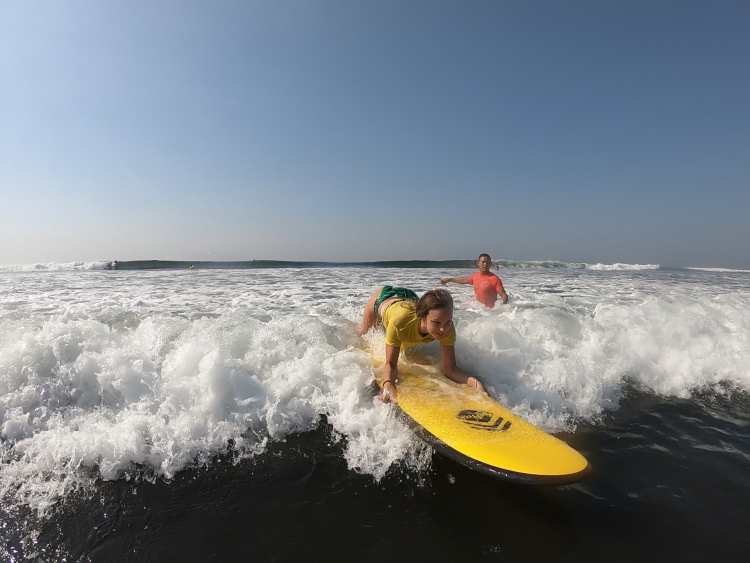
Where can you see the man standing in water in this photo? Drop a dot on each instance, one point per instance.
(487, 286)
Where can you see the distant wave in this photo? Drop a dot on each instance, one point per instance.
(262, 264)
(719, 270)
(575, 265)
(623, 266)
(55, 266)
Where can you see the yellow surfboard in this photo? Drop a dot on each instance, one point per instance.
(470, 427)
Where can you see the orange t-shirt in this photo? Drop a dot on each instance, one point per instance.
(486, 288)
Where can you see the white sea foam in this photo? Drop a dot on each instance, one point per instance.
(118, 374)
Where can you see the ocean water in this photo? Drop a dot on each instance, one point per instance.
(150, 412)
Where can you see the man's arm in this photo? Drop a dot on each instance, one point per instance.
(445, 281)
(501, 291)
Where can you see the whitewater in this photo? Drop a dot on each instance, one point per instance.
(141, 374)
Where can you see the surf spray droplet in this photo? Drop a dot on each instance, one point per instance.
(451, 479)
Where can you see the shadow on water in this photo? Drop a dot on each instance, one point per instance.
(669, 483)
(299, 500)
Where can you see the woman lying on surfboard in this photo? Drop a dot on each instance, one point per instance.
(411, 320)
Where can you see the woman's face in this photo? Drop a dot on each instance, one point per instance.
(437, 322)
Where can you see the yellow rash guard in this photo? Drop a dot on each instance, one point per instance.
(402, 327)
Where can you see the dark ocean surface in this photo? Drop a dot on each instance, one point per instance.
(670, 483)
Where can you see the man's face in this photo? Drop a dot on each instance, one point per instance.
(484, 264)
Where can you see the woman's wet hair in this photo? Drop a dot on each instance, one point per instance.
(433, 299)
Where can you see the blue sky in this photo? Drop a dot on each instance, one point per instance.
(583, 131)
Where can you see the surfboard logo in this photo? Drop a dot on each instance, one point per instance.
(482, 420)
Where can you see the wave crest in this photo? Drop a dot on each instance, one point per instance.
(54, 266)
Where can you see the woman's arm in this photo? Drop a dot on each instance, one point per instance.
(453, 372)
(390, 373)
